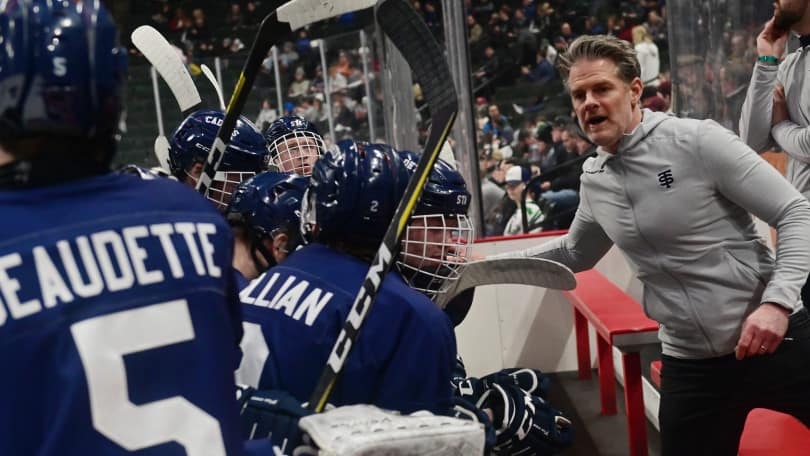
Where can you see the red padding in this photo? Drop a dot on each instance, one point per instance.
(769, 433)
(609, 309)
(655, 373)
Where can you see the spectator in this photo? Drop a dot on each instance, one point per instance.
(251, 17)
(647, 53)
(542, 72)
(316, 85)
(491, 193)
(287, 57)
(235, 20)
(490, 67)
(557, 153)
(337, 82)
(544, 21)
(544, 143)
(199, 34)
(475, 30)
(180, 21)
(160, 15)
(496, 122)
(266, 115)
(656, 27)
(303, 45)
(567, 34)
(562, 188)
(343, 65)
(300, 85)
(516, 178)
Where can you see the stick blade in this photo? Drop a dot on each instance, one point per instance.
(302, 12)
(162, 153)
(424, 55)
(213, 80)
(536, 272)
(168, 64)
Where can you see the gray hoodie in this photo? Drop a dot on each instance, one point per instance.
(675, 199)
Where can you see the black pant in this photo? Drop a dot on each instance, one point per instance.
(704, 403)
(806, 293)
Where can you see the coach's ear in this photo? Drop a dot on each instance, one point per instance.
(636, 87)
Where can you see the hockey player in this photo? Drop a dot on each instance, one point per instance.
(245, 156)
(264, 214)
(293, 312)
(294, 144)
(118, 313)
(437, 243)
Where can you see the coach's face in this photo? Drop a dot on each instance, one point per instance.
(607, 107)
(787, 13)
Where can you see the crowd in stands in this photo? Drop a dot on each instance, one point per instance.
(513, 48)
(212, 29)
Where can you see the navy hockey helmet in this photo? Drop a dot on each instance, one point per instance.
(294, 144)
(245, 156)
(144, 173)
(61, 71)
(437, 242)
(266, 204)
(353, 194)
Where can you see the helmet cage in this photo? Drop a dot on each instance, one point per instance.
(223, 185)
(435, 249)
(296, 152)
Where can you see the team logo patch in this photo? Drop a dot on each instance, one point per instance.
(665, 179)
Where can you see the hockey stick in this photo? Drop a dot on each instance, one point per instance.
(536, 272)
(213, 80)
(162, 148)
(275, 26)
(168, 64)
(171, 68)
(410, 35)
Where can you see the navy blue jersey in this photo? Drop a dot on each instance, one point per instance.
(293, 313)
(119, 321)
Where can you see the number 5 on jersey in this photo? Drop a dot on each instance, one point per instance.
(103, 342)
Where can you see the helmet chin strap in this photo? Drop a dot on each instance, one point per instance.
(256, 244)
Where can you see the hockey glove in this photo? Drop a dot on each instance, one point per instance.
(525, 424)
(271, 414)
(532, 381)
(466, 410)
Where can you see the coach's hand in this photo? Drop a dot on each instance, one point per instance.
(762, 331)
(771, 41)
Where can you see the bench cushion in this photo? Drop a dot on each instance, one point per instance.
(770, 433)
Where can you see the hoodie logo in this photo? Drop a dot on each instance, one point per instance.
(665, 178)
